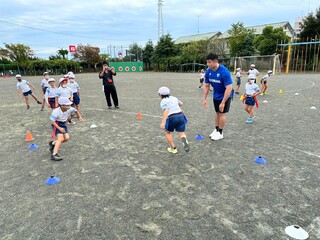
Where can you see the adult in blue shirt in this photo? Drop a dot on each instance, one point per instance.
(220, 79)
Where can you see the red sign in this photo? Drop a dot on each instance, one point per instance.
(120, 54)
(72, 48)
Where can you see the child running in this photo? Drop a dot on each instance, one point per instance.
(201, 77)
(51, 94)
(173, 119)
(58, 119)
(251, 91)
(24, 87)
(65, 91)
(44, 85)
(264, 82)
(75, 88)
(238, 78)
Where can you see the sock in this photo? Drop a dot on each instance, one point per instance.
(217, 128)
(53, 142)
(220, 130)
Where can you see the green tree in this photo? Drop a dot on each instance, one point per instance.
(148, 52)
(104, 57)
(311, 25)
(191, 52)
(135, 52)
(88, 55)
(163, 51)
(19, 53)
(241, 40)
(266, 43)
(63, 53)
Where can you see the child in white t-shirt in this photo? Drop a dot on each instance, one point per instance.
(251, 91)
(24, 87)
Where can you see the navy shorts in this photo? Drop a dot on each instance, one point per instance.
(76, 99)
(238, 81)
(176, 122)
(27, 93)
(63, 125)
(201, 80)
(250, 101)
(52, 102)
(216, 104)
(44, 90)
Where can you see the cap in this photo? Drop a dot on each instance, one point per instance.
(270, 71)
(66, 76)
(71, 75)
(64, 101)
(238, 69)
(51, 80)
(252, 76)
(252, 65)
(164, 91)
(45, 73)
(18, 76)
(62, 79)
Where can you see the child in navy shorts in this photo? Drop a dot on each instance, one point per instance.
(24, 87)
(58, 119)
(251, 91)
(238, 78)
(173, 119)
(75, 88)
(51, 94)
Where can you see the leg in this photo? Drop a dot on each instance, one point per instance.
(222, 120)
(114, 96)
(43, 102)
(169, 139)
(34, 96)
(265, 88)
(107, 94)
(251, 111)
(27, 100)
(246, 107)
(57, 143)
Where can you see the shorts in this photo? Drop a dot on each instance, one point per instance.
(52, 102)
(216, 104)
(176, 122)
(76, 99)
(238, 81)
(263, 82)
(44, 90)
(62, 125)
(201, 80)
(27, 93)
(250, 101)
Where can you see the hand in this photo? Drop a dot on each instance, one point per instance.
(205, 104)
(221, 107)
(57, 105)
(62, 130)
(49, 106)
(162, 125)
(81, 119)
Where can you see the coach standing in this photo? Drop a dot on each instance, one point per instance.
(220, 79)
(107, 74)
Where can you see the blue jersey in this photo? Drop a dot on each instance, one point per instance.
(218, 79)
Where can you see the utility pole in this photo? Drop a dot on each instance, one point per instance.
(198, 23)
(160, 19)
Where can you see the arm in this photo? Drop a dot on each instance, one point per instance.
(164, 118)
(226, 96)
(180, 104)
(206, 88)
(31, 85)
(46, 97)
(79, 116)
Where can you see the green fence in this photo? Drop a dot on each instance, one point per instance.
(127, 66)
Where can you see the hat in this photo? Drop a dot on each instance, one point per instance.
(64, 101)
(238, 69)
(270, 71)
(18, 76)
(66, 75)
(51, 80)
(71, 75)
(252, 65)
(62, 79)
(164, 91)
(45, 73)
(252, 76)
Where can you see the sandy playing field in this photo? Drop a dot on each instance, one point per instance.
(119, 182)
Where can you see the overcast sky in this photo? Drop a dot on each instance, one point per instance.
(47, 26)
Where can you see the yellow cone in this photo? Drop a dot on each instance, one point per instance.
(280, 91)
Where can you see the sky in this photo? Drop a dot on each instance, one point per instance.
(112, 25)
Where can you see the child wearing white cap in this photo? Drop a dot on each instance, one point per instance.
(173, 119)
(252, 90)
(51, 94)
(254, 71)
(24, 87)
(238, 78)
(264, 82)
(44, 85)
(75, 88)
(65, 91)
(58, 119)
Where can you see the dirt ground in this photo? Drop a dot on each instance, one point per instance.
(118, 181)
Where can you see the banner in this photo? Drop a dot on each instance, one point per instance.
(127, 66)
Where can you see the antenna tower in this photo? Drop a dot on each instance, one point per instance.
(160, 19)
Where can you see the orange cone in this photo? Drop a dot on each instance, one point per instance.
(29, 137)
(139, 116)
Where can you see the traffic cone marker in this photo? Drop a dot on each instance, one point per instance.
(29, 137)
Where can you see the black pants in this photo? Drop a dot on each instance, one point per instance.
(111, 90)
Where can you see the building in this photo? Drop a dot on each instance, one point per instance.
(198, 37)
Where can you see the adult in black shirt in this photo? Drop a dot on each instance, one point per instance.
(107, 79)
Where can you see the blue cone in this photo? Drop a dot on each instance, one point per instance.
(52, 180)
(260, 160)
(198, 137)
(33, 146)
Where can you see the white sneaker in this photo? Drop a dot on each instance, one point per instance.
(211, 134)
(217, 136)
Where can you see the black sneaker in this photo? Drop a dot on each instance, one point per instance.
(109, 107)
(28, 106)
(51, 146)
(42, 109)
(117, 107)
(56, 157)
(39, 102)
(185, 144)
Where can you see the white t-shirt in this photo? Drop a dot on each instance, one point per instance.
(251, 88)
(44, 83)
(172, 104)
(64, 92)
(73, 86)
(23, 86)
(202, 75)
(58, 115)
(265, 77)
(253, 71)
(51, 93)
(238, 74)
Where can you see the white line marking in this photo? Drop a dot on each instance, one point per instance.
(308, 153)
(79, 223)
(312, 85)
(119, 111)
